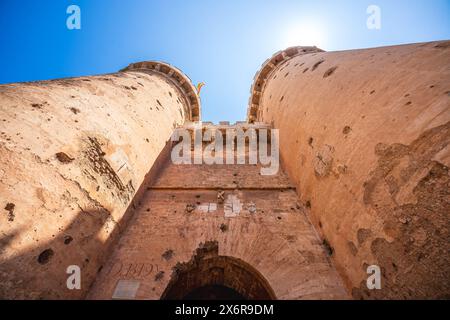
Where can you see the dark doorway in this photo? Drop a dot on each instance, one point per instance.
(214, 292)
(208, 276)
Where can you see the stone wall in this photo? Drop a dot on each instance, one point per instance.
(364, 142)
(259, 228)
(73, 153)
(364, 136)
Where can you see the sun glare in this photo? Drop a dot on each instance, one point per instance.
(306, 34)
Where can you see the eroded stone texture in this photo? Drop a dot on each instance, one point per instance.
(73, 153)
(259, 230)
(364, 135)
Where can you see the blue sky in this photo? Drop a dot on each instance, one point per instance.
(220, 42)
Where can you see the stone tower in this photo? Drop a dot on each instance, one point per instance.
(364, 137)
(86, 179)
(74, 153)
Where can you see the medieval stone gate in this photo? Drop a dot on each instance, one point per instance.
(86, 180)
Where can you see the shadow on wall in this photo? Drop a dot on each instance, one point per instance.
(40, 272)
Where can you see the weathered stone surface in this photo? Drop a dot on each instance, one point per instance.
(364, 136)
(258, 228)
(73, 153)
(364, 139)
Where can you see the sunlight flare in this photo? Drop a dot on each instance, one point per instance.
(304, 34)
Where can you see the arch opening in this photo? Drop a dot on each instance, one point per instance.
(214, 292)
(208, 276)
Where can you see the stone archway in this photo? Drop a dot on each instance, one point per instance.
(210, 276)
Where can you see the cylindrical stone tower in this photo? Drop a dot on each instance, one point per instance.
(364, 135)
(73, 153)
